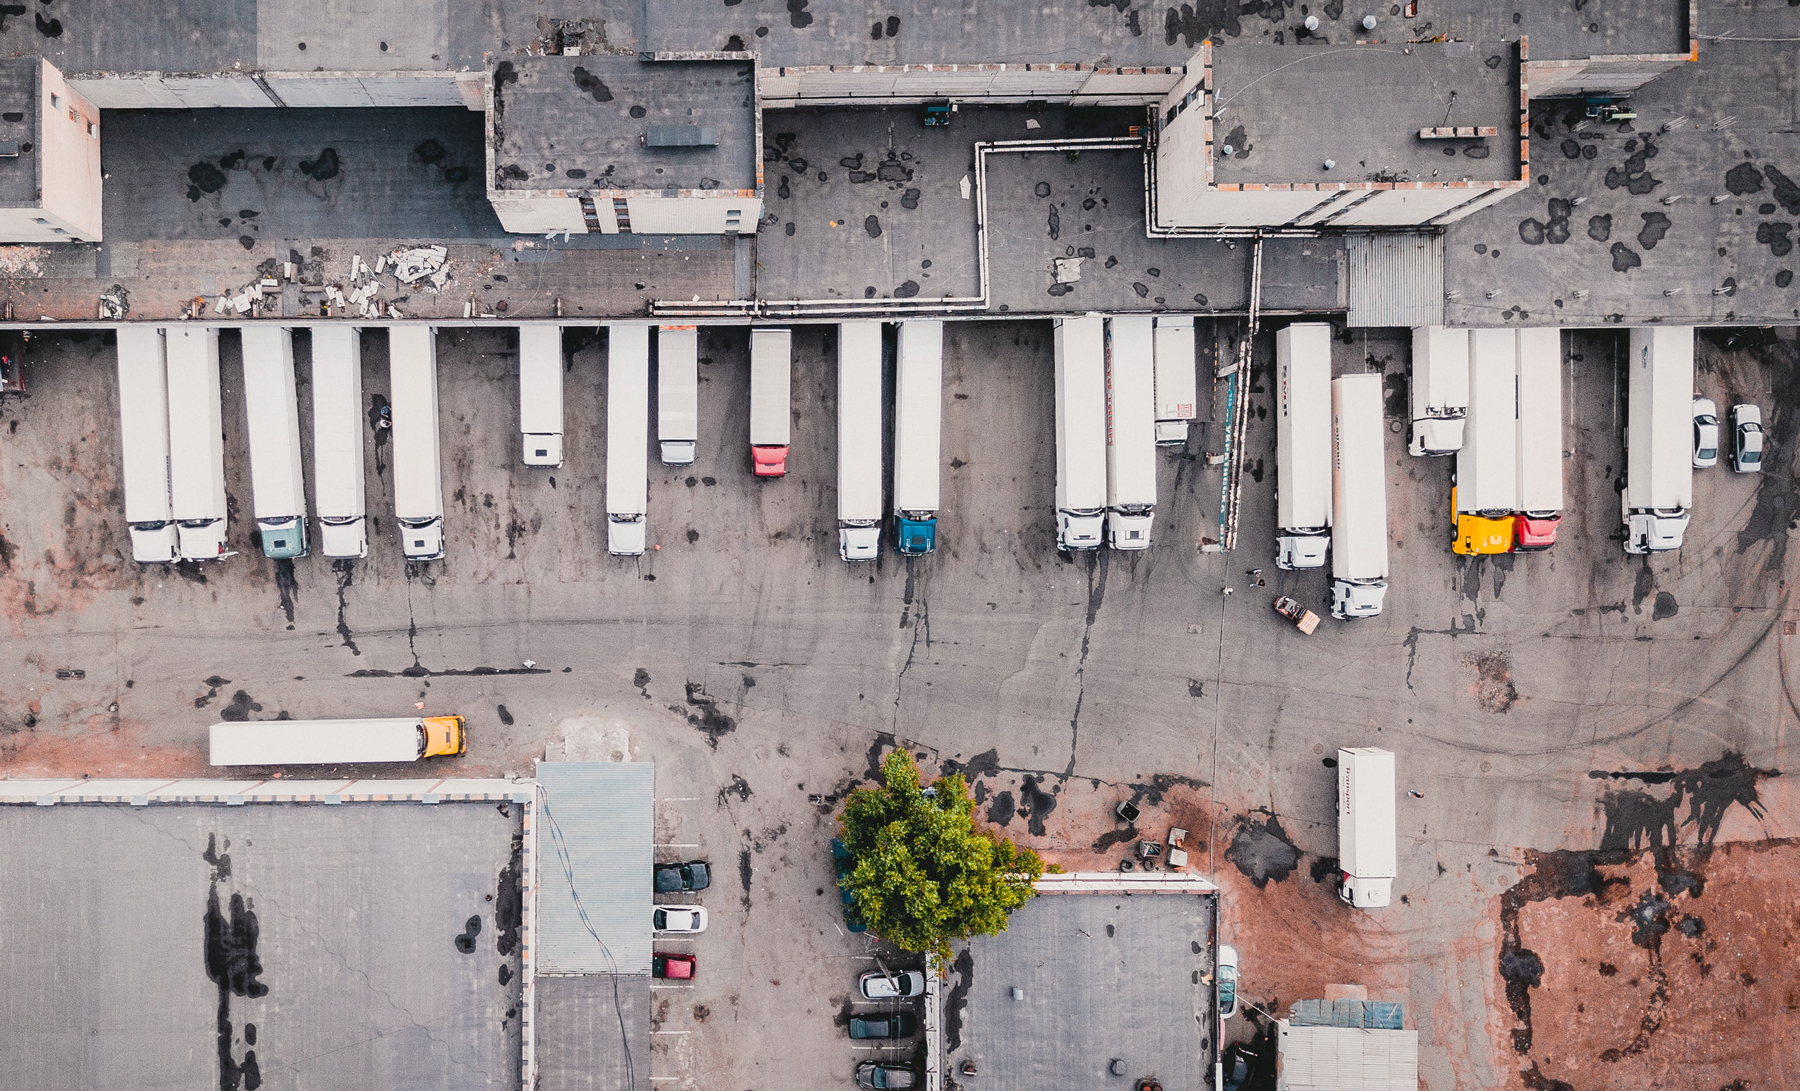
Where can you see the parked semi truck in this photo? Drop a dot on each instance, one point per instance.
(1367, 856)
(1303, 478)
(770, 379)
(1130, 431)
(918, 428)
(1176, 393)
(196, 442)
(627, 438)
(541, 394)
(272, 412)
(144, 442)
(1440, 389)
(859, 440)
(677, 393)
(1540, 439)
(1659, 471)
(1485, 498)
(338, 426)
(1080, 431)
(418, 471)
(335, 742)
(1359, 550)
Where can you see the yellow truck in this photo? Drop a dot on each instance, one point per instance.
(336, 742)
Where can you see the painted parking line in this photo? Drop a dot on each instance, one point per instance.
(671, 986)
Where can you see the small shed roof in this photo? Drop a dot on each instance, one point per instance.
(1345, 1059)
(594, 864)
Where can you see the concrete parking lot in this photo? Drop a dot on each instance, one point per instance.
(765, 677)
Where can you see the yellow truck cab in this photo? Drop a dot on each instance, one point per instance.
(1474, 535)
(444, 736)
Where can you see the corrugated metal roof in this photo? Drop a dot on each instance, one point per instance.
(1341, 1059)
(1367, 1014)
(594, 846)
(1396, 279)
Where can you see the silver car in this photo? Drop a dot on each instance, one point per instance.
(1747, 436)
(1706, 433)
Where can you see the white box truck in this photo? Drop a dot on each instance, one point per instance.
(1359, 547)
(1486, 494)
(1367, 854)
(1659, 469)
(627, 437)
(1080, 431)
(541, 394)
(677, 393)
(196, 441)
(272, 413)
(1176, 385)
(338, 424)
(859, 440)
(1440, 389)
(1540, 439)
(418, 465)
(918, 428)
(144, 444)
(1130, 431)
(1303, 478)
(771, 366)
(334, 742)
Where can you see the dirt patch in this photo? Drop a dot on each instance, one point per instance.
(1262, 850)
(1493, 689)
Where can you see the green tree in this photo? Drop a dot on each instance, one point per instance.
(923, 875)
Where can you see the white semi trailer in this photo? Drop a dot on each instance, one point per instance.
(1130, 431)
(541, 394)
(771, 376)
(627, 438)
(1540, 439)
(1487, 466)
(196, 441)
(1303, 479)
(1440, 389)
(1659, 470)
(335, 742)
(1367, 842)
(338, 427)
(144, 443)
(272, 410)
(677, 393)
(859, 440)
(1359, 548)
(1080, 431)
(918, 430)
(1176, 384)
(418, 468)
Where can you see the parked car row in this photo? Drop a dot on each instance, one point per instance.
(691, 876)
(1746, 436)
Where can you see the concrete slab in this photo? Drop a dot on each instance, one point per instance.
(593, 1032)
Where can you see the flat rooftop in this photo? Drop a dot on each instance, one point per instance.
(1102, 976)
(19, 124)
(369, 945)
(1284, 111)
(589, 123)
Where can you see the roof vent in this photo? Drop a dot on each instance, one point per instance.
(9, 149)
(681, 136)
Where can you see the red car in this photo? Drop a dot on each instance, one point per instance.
(672, 966)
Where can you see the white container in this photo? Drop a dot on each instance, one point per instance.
(196, 441)
(677, 393)
(418, 469)
(771, 367)
(541, 394)
(272, 413)
(1130, 431)
(1303, 445)
(144, 444)
(1367, 856)
(627, 437)
(918, 433)
(338, 427)
(1540, 437)
(1080, 431)
(1440, 389)
(334, 742)
(1359, 546)
(1659, 471)
(1176, 389)
(859, 440)
(1487, 466)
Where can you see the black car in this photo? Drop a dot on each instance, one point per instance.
(902, 1024)
(674, 878)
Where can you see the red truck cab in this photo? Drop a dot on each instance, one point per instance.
(1534, 533)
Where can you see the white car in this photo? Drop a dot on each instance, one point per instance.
(1706, 433)
(690, 919)
(1228, 980)
(1747, 434)
(876, 985)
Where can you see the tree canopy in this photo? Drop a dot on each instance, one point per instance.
(924, 875)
